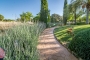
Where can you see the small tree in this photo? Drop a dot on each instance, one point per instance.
(37, 17)
(1, 17)
(56, 18)
(26, 16)
(44, 11)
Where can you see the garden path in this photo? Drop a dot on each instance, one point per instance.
(50, 49)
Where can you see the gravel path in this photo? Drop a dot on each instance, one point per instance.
(50, 49)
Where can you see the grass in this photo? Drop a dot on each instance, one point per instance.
(20, 42)
(7, 25)
(65, 38)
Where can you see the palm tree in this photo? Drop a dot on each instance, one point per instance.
(85, 5)
(74, 7)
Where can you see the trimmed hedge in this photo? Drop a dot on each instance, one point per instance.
(80, 44)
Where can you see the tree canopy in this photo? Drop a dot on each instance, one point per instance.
(26, 16)
(85, 5)
(37, 17)
(56, 18)
(44, 11)
(1, 17)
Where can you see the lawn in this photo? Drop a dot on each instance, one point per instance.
(65, 38)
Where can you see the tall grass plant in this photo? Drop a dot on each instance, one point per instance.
(20, 42)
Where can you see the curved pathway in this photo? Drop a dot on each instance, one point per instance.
(50, 49)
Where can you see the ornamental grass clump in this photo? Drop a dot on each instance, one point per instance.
(70, 31)
(20, 42)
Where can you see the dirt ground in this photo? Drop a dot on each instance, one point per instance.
(50, 49)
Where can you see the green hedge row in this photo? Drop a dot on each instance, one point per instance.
(80, 44)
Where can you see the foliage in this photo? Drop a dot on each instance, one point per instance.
(80, 44)
(1, 17)
(85, 4)
(70, 17)
(64, 12)
(79, 14)
(7, 20)
(18, 19)
(44, 11)
(49, 18)
(74, 7)
(37, 17)
(26, 16)
(20, 42)
(56, 18)
(50, 24)
(81, 23)
(62, 35)
(70, 31)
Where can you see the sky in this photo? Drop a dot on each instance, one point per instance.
(11, 9)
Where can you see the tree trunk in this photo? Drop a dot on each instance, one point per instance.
(75, 18)
(65, 12)
(87, 17)
(65, 20)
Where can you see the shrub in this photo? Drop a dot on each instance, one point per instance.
(80, 44)
(70, 31)
(54, 24)
(81, 23)
(20, 42)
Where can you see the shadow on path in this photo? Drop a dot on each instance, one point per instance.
(51, 49)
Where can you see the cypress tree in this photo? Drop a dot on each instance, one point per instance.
(49, 18)
(44, 11)
(64, 12)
